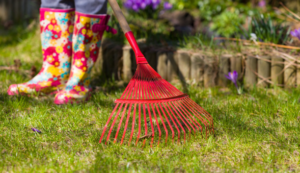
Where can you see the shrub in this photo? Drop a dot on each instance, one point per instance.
(228, 23)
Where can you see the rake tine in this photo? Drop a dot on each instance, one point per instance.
(206, 113)
(209, 125)
(167, 121)
(157, 86)
(128, 88)
(133, 86)
(203, 117)
(180, 118)
(195, 112)
(149, 112)
(160, 91)
(141, 96)
(166, 130)
(133, 121)
(170, 88)
(159, 131)
(144, 96)
(170, 115)
(136, 85)
(157, 90)
(191, 116)
(127, 120)
(153, 85)
(180, 113)
(201, 110)
(153, 89)
(148, 88)
(164, 91)
(137, 140)
(112, 126)
(120, 123)
(199, 117)
(151, 94)
(105, 127)
(145, 122)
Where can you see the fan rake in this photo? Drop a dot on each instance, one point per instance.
(150, 105)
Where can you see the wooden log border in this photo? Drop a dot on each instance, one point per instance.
(262, 68)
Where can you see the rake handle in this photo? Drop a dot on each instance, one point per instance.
(119, 15)
(140, 59)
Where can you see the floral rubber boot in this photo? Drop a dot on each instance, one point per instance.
(87, 37)
(56, 35)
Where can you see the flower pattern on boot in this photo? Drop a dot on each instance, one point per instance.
(56, 36)
(87, 37)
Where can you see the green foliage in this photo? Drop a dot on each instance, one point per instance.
(15, 34)
(269, 31)
(197, 41)
(153, 31)
(211, 8)
(184, 4)
(228, 23)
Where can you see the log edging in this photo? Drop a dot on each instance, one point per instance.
(263, 68)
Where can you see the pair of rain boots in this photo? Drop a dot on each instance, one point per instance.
(70, 45)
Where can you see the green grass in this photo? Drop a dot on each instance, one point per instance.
(254, 132)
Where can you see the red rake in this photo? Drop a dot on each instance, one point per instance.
(153, 103)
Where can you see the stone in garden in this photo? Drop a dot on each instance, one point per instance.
(277, 69)
(184, 64)
(223, 70)
(197, 67)
(251, 69)
(127, 63)
(236, 64)
(162, 64)
(172, 66)
(209, 71)
(263, 70)
(290, 72)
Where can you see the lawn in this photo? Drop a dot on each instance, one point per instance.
(257, 131)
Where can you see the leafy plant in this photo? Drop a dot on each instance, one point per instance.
(268, 31)
(228, 23)
(211, 8)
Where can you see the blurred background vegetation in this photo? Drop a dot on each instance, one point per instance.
(188, 23)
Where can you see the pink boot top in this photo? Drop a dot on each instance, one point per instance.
(86, 43)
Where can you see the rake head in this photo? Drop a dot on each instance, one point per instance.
(151, 107)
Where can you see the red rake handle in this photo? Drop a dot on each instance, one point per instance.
(140, 58)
